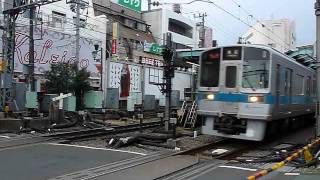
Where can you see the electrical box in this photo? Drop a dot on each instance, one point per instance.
(134, 98)
(19, 96)
(162, 100)
(175, 98)
(45, 102)
(149, 103)
(93, 99)
(6, 80)
(69, 103)
(112, 99)
(31, 100)
(130, 103)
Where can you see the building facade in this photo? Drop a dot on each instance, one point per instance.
(184, 31)
(279, 34)
(54, 39)
(136, 51)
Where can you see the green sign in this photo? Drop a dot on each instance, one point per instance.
(131, 4)
(152, 48)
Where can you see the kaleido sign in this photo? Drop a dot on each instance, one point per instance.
(131, 4)
(152, 48)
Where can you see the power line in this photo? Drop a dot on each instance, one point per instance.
(259, 22)
(239, 19)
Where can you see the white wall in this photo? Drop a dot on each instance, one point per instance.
(281, 34)
(159, 21)
(150, 89)
(180, 81)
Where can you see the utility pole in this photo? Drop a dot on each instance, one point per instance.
(317, 12)
(31, 49)
(149, 5)
(202, 27)
(78, 31)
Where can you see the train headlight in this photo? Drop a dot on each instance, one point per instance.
(255, 99)
(210, 96)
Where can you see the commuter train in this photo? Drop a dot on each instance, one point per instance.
(247, 91)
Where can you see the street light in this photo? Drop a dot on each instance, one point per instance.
(96, 59)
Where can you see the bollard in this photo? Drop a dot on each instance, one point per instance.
(195, 134)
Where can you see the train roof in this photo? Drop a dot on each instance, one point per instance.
(274, 51)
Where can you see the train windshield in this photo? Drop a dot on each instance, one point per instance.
(256, 66)
(210, 68)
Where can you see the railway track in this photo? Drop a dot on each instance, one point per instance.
(75, 135)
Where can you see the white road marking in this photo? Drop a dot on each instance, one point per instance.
(95, 148)
(241, 168)
(292, 174)
(7, 137)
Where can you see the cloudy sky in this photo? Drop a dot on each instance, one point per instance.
(227, 29)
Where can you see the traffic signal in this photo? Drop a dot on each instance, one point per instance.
(156, 3)
(167, 54)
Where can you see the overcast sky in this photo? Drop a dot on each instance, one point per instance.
(227, 29)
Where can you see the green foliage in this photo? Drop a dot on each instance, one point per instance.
(66, 78)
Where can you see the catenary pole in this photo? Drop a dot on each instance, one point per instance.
(317, 13)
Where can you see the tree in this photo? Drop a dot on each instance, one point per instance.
(66, 78)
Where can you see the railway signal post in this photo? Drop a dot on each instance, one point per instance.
(317, 12)
(168, 75)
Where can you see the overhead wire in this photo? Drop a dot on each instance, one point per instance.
(239, 19)
(259, 22)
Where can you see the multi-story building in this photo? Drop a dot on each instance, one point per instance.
(279, 34)
(136, 51)
(184, 31)
(54, 35)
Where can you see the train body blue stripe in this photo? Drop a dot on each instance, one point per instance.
(268, 98)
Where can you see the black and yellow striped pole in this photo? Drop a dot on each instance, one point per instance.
(304, 150)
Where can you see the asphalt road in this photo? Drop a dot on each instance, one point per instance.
(43, 161)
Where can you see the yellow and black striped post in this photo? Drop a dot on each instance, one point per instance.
(288, 159)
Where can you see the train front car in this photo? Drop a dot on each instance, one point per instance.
(232, 89)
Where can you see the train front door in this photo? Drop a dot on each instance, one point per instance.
(230, 75)
(278, 90)
(229, 85)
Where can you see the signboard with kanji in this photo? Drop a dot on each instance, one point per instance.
(131, 4)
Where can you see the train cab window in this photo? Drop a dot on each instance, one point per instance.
(231, 76)
(256, 67)
(210, 68)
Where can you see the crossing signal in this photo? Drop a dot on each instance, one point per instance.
(156, 3)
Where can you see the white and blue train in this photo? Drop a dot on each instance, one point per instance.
(244, 91)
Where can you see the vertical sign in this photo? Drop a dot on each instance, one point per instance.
(131, 4)
(114, 46)
(115, 28)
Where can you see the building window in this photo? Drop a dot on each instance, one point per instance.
(139, 46)
(154, 76)
(130, 23)
(142, 27)
(180, 28)
(82, 22)
(58, 20)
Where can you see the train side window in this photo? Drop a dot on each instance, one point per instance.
(288, 82)
(314, 87)
(299, 85)
(308, 89)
